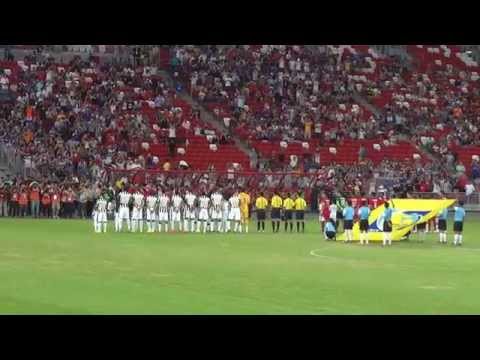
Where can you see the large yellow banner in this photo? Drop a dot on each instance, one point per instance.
(406, 214)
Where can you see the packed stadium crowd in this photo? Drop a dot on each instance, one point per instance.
(78, 125)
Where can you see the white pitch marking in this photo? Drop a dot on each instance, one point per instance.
(431, 287)
(160, 275)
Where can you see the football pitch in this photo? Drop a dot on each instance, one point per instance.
(63, 267)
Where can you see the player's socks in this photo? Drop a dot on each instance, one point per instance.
(105, 226)
(298, 227)
(246, 228)
(278, 225)
(384, 242)
(460, 239)
(273, 226)
(258, 226)
(285, 226)
(291, 226)
(141, 225)
(303, 226)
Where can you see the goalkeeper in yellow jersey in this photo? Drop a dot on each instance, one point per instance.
(244, 207)
(261, 204)
(300, 206)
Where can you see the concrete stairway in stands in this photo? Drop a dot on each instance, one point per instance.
(208, 117)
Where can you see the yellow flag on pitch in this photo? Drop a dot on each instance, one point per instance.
(406, 214)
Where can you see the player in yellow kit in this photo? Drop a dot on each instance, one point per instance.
(261, 204)
(244, 206)
(288, 205)
(276, 204)
(300, 206)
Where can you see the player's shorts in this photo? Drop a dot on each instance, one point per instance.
(203, 215)
(458, 226)
(176, 215)
(137, 214)
(300, 214)
(100, 216)
(275, 215)
(363, 225)
(421, 226)
(288, 215)
(261, 214)
(163, 215)
(442, 225)
(124, 213)
(190, 214)
(348, 225)
(234, 214)
(339, 215)
(387, 226)
(330, 234)
(216, 214)
(151, 216)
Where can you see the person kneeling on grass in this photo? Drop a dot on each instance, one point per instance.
(330, 230)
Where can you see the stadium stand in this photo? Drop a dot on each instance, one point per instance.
(337, 115)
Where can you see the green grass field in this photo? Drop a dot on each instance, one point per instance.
(63, 267)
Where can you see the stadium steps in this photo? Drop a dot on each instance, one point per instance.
(208, 117)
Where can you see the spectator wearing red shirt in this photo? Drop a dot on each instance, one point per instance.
(3, 201)
(69, 203)
(14, 203)
(35, 201)
(55, 196)
(63, 203)
(46, 204)
(373, 201)
(23, 202)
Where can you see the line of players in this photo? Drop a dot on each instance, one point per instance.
(170, 212)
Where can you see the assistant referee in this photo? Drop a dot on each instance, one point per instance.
(288, 205)
(261, 204)
(276, 204)
(300, 206)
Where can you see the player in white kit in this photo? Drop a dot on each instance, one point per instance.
(163, 204)
(137, 213)
(176, 210)
(234, 215)
(203, 217)
(124, 210)
(151, 213)
(216, 215)
(225, 224)
(100, 217)
(189, 215)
